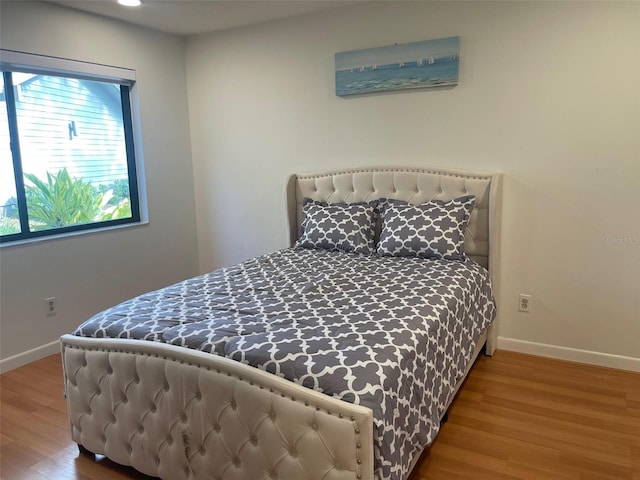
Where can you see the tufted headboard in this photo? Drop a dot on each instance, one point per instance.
(414, 185)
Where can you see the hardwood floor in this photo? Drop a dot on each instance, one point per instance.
(525, 417)
(516, 417)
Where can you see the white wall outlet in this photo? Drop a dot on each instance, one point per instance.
(51, 306)
(524, 303)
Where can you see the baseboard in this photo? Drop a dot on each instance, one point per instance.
(29, 356)
(570, 354)
(511, 344)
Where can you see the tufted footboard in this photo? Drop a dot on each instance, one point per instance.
(177, 414)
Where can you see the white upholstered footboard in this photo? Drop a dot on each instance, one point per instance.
(219, 419)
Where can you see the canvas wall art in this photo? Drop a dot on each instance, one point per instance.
(431, 63)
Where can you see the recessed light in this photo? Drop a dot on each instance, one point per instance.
(130, 3)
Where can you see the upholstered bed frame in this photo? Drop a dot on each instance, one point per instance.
(177, 413)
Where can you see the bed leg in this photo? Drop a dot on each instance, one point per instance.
(86, 452)
(445, 418)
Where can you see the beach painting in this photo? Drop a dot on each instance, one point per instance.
(432, 63)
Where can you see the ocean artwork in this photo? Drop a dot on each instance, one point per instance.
(432, 63)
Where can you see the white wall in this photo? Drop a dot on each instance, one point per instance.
(88, 273)
(548, 94)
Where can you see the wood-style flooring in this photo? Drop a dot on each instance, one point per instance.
(516, 417)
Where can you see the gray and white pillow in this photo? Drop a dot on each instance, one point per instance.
(346, 227)
(431, 230)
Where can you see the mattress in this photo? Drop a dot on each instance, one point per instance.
(392, 334)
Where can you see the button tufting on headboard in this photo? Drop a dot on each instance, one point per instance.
(412, 185)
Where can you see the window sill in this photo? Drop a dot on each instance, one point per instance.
(47, 238)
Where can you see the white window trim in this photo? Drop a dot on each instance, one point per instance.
(34, 63)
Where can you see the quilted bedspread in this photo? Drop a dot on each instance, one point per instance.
(392, 334)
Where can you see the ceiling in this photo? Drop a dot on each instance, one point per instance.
(190, 17)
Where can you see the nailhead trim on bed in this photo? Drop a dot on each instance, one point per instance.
(412, 185)
(243, 434)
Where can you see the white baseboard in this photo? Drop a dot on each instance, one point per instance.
(511, 344)
(570, 354)
(29, 356)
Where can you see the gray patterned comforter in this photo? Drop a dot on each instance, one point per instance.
(392, 334)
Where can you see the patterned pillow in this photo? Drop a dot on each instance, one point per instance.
(346, 227)
(431, 230)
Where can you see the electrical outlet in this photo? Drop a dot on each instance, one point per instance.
(51, 306)
(524, 303)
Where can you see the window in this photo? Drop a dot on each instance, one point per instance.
(66, 144)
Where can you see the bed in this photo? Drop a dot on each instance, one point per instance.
(313, 362)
